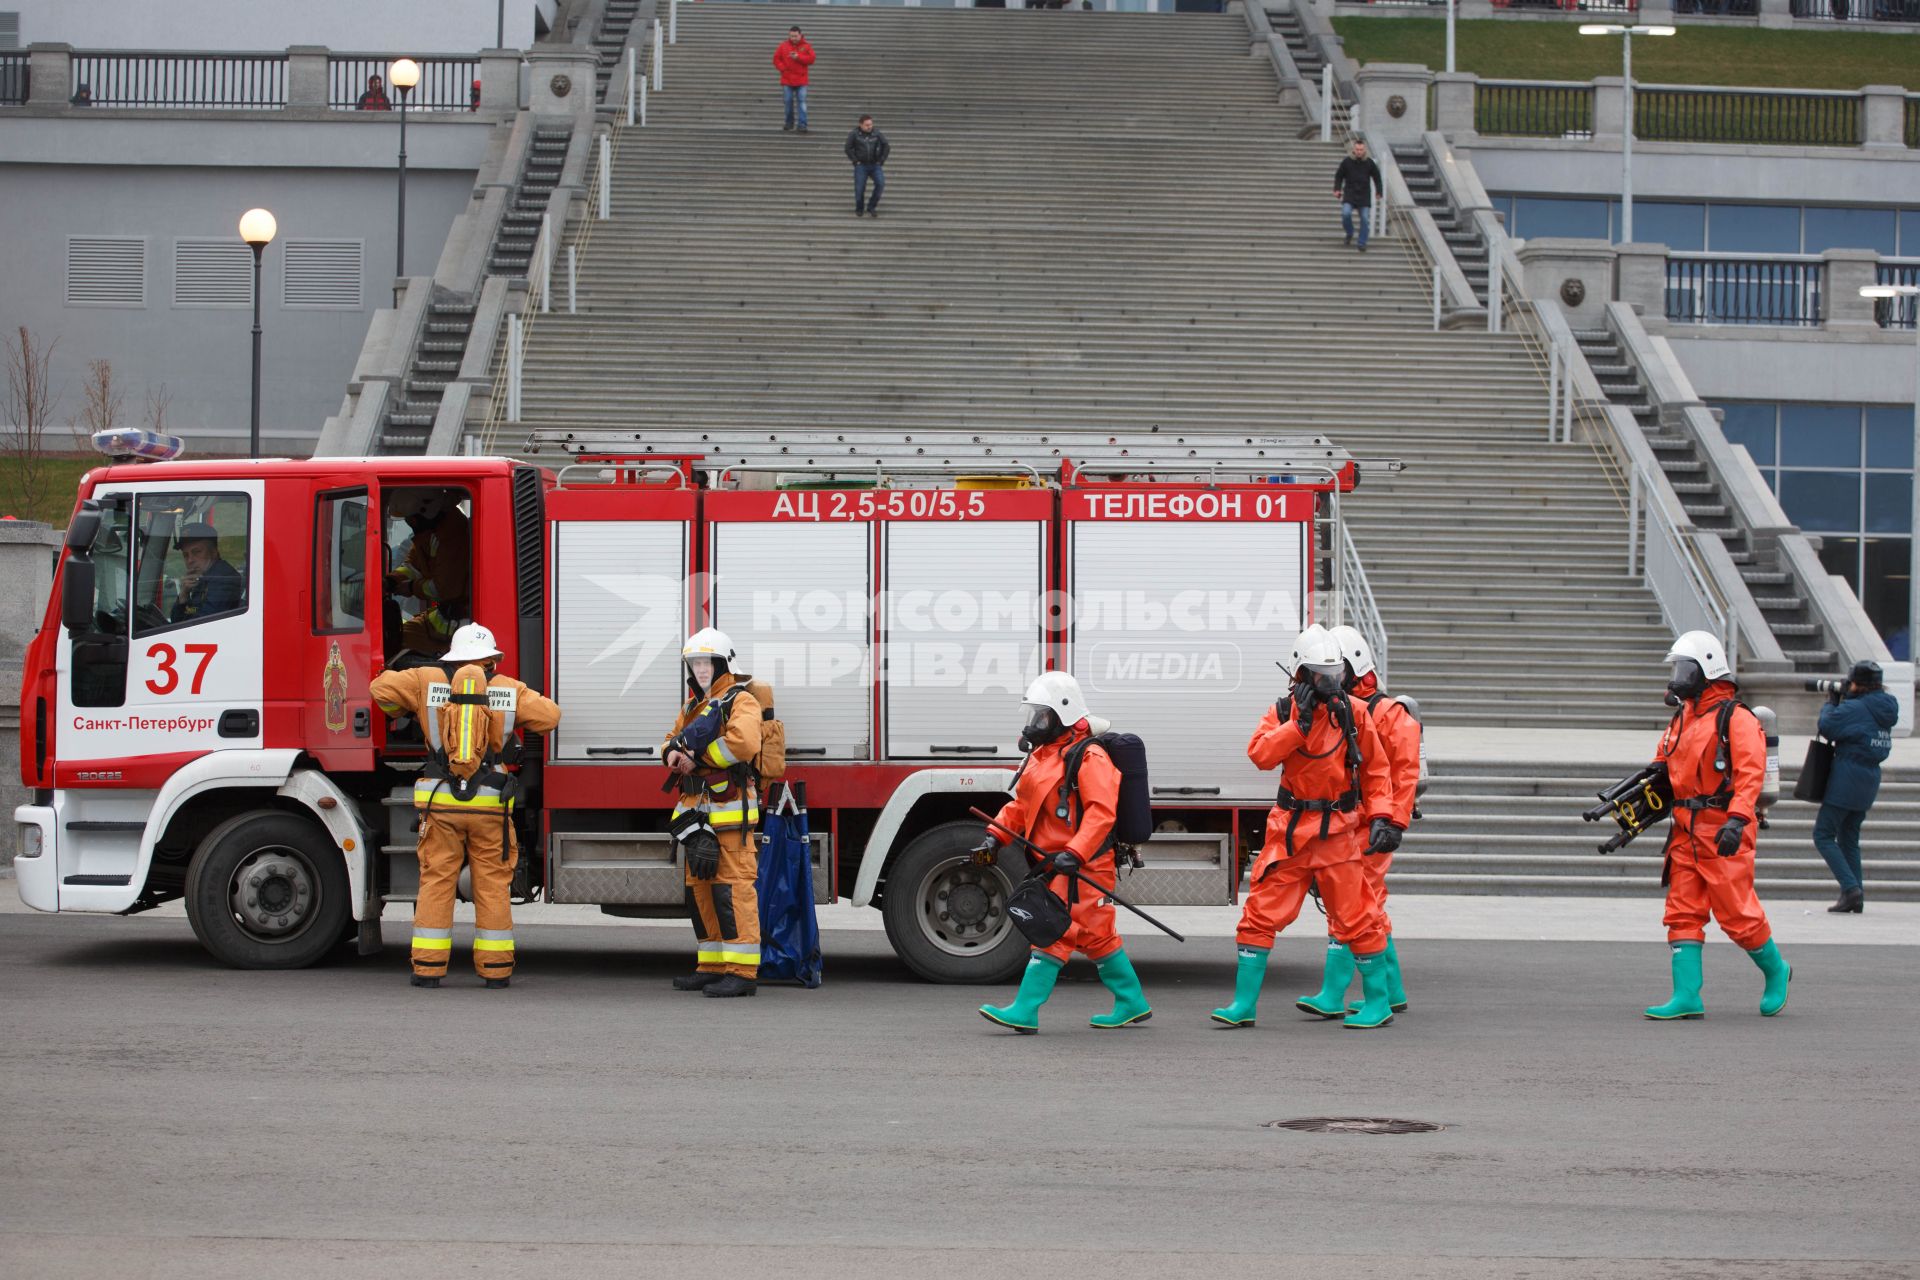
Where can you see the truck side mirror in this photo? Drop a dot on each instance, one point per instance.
(76, 596)
(84, 528)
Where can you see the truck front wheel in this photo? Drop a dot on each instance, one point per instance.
(267, 890)
(948, 918)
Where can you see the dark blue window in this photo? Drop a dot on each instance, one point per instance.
(1850, 229)
(1889, 504)
(1752, 426)
(1535, 217)
(1822, 501)
(1819, 435)
(1754, 228)
(1681, 227)
(1910, 233)
(1890, 437)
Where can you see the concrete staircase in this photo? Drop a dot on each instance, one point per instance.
(1515, 828)
(1789, 615)
(616, 21)
(1465, 243)
(1092, 220)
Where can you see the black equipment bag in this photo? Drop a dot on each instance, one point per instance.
(1038, 912)
(1811, 785)
(1133, 808)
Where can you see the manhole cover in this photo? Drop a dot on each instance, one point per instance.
(1354, 1124)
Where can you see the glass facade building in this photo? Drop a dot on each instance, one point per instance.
(1702, 226)
(1844, 473)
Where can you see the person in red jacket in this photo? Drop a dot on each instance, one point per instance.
(1073, 830)
(791, 60)
(1399, 731)
(1710, 850)
(1335, 805)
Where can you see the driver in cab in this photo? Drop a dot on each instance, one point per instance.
(210, 585)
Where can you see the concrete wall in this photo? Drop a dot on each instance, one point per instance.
(162, 177)
(1752, 362)
(1661, 170)
(418, 26)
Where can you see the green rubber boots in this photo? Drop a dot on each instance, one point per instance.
(1129, 1002)
(1331, 1000)
(1251, 972)
(1376, 1002)
(1036, 984)
(1685, 1002)
(1778, 972)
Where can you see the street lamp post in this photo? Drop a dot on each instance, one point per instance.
(1451, 6)
(257, 228)
(402, 75)
(1626, 33)
(1913, 527)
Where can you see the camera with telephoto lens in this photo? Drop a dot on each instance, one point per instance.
(1828, 684)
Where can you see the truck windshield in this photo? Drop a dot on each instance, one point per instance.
(191, 559)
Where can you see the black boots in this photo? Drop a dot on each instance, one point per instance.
(697, 981)
(499, 984)
(419, 981)
(1852, 902)
(730, 985)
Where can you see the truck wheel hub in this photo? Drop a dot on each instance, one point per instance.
(272, 893)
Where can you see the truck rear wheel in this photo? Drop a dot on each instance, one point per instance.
(948, 918)
(267, 890)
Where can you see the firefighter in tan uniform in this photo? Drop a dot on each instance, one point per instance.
(715, 739)
(465, 796)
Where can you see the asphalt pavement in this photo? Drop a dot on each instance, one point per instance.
(162, 1116)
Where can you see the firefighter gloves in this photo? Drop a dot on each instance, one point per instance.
(1727, 843)
(703, 855)
(1384, 837)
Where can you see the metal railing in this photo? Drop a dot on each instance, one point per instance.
(1584, 6)
(1665, 560)
(1912, 130)
(1896, 313)
(1670, 114)
(1856, 10)
(1358, 608)
(14, 78)
(239, 81)
(1717, 8)
(1514, 109)
(446, 83)
(1771, 291)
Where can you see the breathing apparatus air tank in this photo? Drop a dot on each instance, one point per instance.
(1770, 788)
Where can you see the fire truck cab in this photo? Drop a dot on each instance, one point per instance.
(195, 721)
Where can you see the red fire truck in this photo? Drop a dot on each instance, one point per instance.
(195, 720)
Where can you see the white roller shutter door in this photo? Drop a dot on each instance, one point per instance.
(620, 617)
(963, 638)
(1193, 692)
(794, 599)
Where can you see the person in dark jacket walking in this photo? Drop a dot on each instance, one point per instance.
(867, 148)
(1354, 183)
(1859, 724)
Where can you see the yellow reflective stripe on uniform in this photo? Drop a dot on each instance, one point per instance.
(440, 798)
(733, 817)
(718, 753)
(432, 944)
(722, 956)
(493, 944)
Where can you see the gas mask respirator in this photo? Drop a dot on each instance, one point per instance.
(1042, 727)
(1688, 682)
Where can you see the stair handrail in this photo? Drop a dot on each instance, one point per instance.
(1357, 606)
(1318, 28)
(1285, 69)
(1455, 303)
(1707, 572)
(1756, 509)
(634, 51)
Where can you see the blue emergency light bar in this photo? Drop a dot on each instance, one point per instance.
(133, 444)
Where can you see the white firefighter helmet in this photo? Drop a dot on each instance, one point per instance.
(708, 642)
(1319, 656)
(1704, 648)
(1059, 693)
(1355, 649)
(472, 643)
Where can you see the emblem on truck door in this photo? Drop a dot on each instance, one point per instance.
(333, 683)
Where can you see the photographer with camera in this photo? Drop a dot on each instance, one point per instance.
(1858, 720)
